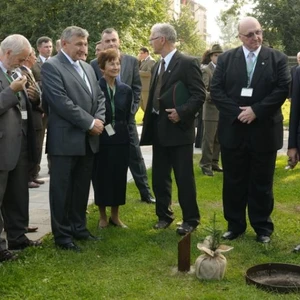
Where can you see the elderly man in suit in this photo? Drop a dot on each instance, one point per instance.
(76, 116)
(171, 129)
(17, 146)
(209, 161)
(249, 86)
(130, 75)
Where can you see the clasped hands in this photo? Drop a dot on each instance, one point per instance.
(247, 115)
(98, 128)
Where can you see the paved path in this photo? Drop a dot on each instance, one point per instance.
(39, 202)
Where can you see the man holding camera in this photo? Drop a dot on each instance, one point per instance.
(17, 146)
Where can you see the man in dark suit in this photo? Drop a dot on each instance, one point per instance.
(37, 116)
(17, 146)
(249, 86)
(44, 46)
(294, 137)
(293, 72)
(171, 129)
(130, 75)
(76, 116)
(209, 161)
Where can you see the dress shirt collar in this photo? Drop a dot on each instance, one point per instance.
(43, 59)
(2, 67)
(72, 62)
(246, 52)
(28, 70)
(168, 58)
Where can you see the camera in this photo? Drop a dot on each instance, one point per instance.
(16, 76)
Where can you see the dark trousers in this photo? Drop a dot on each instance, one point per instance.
(70, 178)
(180, 159)
(248, 182)
(14, 199)
(34, 168)
(137, 163)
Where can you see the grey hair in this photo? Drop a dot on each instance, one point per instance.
(16, 43)
(166, 30)
(71, 31)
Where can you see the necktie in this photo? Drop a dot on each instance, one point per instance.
(250, 66)
(158, 86)
(81, 73)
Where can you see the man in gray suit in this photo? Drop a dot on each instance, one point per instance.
(209, 161)
(129, 75)
(76, 116)
(17, 146)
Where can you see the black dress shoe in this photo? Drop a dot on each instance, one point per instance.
(207, 172)
(6, 255)
(111, 222)
(162, 224)
(263, 239)
(88, 238)
(217, 168)
(296, 249)
(69, 246)
(25, 244)
(230, 235)
(185, 228)
(148, 199)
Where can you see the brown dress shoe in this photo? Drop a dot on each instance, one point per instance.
(32, 229)
(33, 185)
(38, 181)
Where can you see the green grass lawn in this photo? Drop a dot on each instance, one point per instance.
(141, 263)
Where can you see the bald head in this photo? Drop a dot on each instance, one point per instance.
(250, 33)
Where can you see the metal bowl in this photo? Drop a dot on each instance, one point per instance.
(275, 277)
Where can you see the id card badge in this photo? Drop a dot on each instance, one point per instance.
(24, 114)
(109, 129)
(247, 92)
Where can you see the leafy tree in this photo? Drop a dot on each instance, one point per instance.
(190, 41)
(131, 18)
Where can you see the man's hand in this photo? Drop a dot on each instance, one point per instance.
(293, 157)
(247, 115)
(33, 94)
(98, 128)
(173, 115)
(18, 85)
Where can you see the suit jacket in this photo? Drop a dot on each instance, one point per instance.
(294, 126)
(72, 107)
(187, 70)
(37, 110)
(122, 102)
(293, 72)
(147, 64)
(210, 111)
(270, 83)
(129, 74)
(36, 70)
(11, 127)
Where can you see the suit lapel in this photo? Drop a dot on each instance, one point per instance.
(240, 68)
(171, 67)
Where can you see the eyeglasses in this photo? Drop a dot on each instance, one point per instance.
(251, 34)
(150, 40)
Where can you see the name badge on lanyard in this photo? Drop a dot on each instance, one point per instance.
(247, 92)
